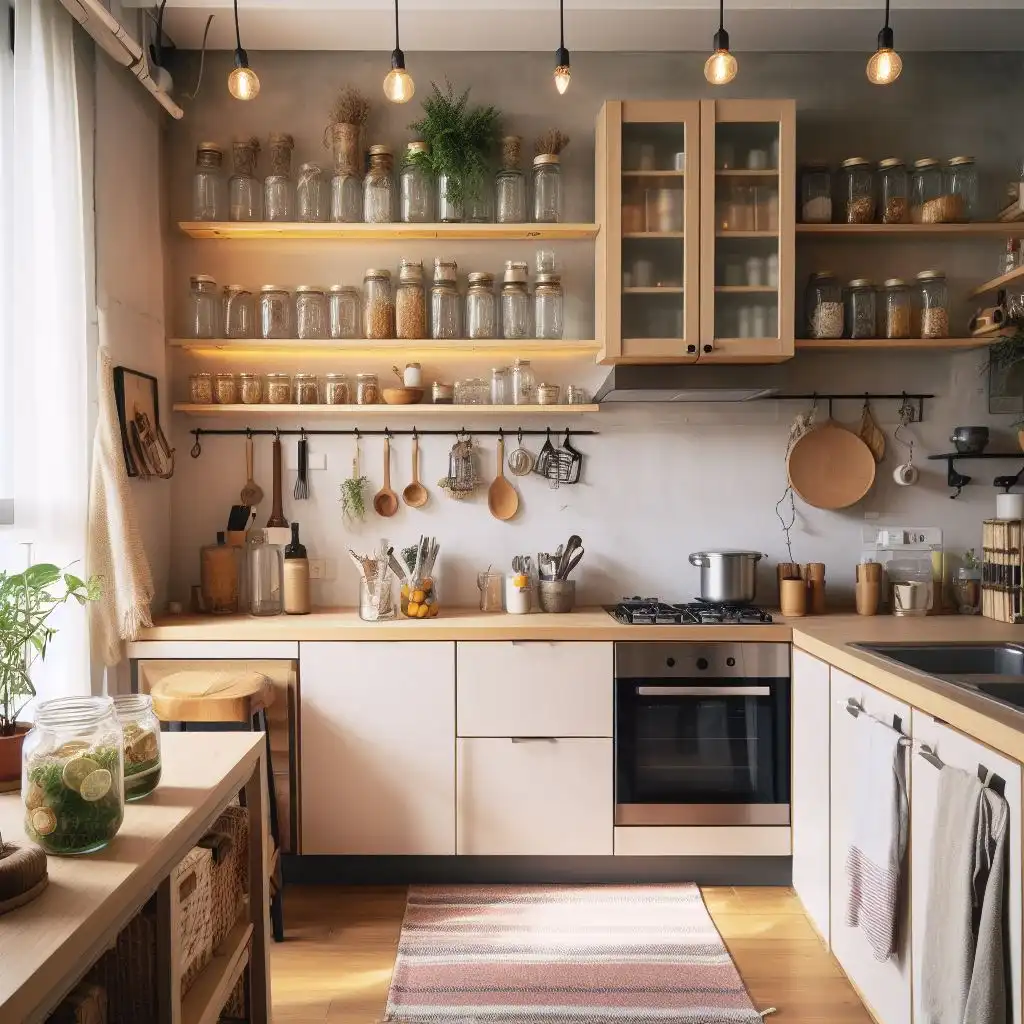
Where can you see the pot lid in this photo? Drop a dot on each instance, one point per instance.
(727, 551)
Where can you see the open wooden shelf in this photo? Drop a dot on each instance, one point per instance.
(653, 174)
(210, 991)
(270, 230)
(512, 412)
(740, 172)
(984, 228)
(894, 344)
(998, 282)
(365, 348)
(746, 289)
(667, 289)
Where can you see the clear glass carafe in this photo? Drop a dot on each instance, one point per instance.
(203, 307)
(510, 184)
(416, 188)
(481, 307)
(379, 187)
(239, 312)
(547, 188)
(208, 199)
(344, 312)
(311, 199)
(524, 383)
(141, 729)
(347, 183)
(445, 305)
(410, 301)
(548, 305)
(265, 575)
(378, 305)
(278, 190)
(245, 196)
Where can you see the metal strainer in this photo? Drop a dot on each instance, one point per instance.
(520, 460)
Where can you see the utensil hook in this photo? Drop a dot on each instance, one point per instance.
(501, 434)
(519, 437)
(248, 433)
(277, 433)
(566, 441)
(197, 448)
(302, 433)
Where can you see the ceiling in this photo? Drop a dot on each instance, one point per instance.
(600, 25)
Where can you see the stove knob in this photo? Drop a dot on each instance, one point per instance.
(671, 662)
(731, 662)
(702, 663)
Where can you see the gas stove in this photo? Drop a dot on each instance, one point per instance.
(651, 611)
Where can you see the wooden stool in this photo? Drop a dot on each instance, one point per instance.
(213, 696)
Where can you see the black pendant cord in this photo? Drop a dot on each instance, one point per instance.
(721, 15)
(886, 13)
(398, 45)
(561, 24)
(238, 34)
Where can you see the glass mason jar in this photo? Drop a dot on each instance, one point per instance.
(279, 389)
(501, 386)
(200, 388)
(239, 313)
(245, 197)
(278, 192)
(444, 301)
(823, 302)
(250, 388)
(478, 207)
(310, 312)
(347, 183)
(344, 311)
(962, 187)
(481, 307)
(367, 389)
(515, 302)
(307, 389)
(926, 192)
(203, 312)
(859, 315)
(379, 187)
(225, 389)
(310, 195)
(894, 191)
(208, 202)
(510, 184)
(378, 306)
(547, 189)
(448, 211)
(410, 301)
(264, 575)
(419, 598)
(524, 383)
(858, 191)
(141, 729)
(72, 781)
(275, 312)
(816, 194)
(933, 297)
(338, 389)
(416, 188)
(472, 391)
(548, 305)
(895, 311)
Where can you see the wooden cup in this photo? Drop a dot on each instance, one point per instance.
(793, 598)
(787, 571)
(868, 592)
(869, 572)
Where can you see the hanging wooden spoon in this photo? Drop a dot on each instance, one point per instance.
(502, 497)
(385, 501)
(252, 493)
(415, 494)
(277, 511)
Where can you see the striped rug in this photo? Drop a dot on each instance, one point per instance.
(557, 954)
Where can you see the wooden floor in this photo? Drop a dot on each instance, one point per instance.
(335, 965)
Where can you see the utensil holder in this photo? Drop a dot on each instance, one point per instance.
(868, 593)
(793, 598)
(557, 596)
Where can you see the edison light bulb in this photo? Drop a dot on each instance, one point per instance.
(399, 86)
(243, 83)
(884, 67)
(720, 68)
(562, 76)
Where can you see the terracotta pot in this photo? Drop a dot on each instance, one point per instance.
(10, 754)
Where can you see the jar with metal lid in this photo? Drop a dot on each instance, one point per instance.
(823, 302)
(307, 389)
(200, 388)
(510, 184)
(379, 187)
(859, 316)
(472, 391)
(933, 298)
(858, 191)
(515, 302)
(203, 307)
(895, 312)
(962, 187)
(208, 202)
(816, 194)
(311, 194)
(442, 394)
(344, 309)
(416, 188)
(448, 210)
(141, 729)
(894, 191)
(444, 300)
(548, 303)
(239, 314)
(250, 388)
(245, 196)
(547, 189)
(338, 389)
(378, 306)
(927, 205)
(275, 312)
(347, 183)
(310, 312)
(367, 389)
(524, 383)
(481, 306)
(279, 389)
(410, 301)
(278, 191)
(225, 389)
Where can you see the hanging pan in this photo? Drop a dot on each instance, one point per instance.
(831, 467)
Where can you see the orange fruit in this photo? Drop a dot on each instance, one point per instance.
(412, 610)
(422, 611)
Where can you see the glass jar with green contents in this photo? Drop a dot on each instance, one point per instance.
(141, 744)
(72, 780)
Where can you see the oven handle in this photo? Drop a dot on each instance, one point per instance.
(703, 691)
(534, 739)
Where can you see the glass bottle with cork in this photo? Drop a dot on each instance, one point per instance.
(296, 576)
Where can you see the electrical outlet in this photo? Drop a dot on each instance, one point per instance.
(318, 569)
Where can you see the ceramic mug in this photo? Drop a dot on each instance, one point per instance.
(906, 474)
(909, 598)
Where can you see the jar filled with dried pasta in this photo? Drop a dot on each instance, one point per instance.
(225, 389)
(823, 302)
(337, 389)
(481, 306)
(344, 311)
(310, 312)
(894, 191)
(857, 191)
(200, 388)
(239, 313)
(378, 306)
(962, 186)
(444, 300)
(307, 389)
(379, 187)
(895, 318)
(927, 187)
(859, 315)
(410, 301)
(279, 388)
(367, 389)
(275, 312)
(250, 388)
(933, 299)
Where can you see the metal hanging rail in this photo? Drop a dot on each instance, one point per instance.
(821, 396)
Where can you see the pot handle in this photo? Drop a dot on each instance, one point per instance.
(699, 559)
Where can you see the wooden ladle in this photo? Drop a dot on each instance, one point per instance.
(385, 501)
(502, 497)
(415, 494)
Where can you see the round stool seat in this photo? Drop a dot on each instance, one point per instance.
(211, 695)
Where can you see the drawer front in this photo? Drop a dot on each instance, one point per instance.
(701, 841)
(535, 688)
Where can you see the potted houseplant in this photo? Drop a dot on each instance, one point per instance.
(27, 599)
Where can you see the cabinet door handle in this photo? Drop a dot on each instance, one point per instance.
(534, 739)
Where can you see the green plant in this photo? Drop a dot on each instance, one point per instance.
(970, 559)
(353, 500)
(1009, 351)
(27, 599)
(462, 141)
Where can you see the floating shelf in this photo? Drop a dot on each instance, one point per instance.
(668, 289)
(302, 412)
(366, 348)
(739, 172)
(959, 481)
(746, 289)
(998, 282)
(653, 174)
(270, 230)
(982, 228)
(894, 344)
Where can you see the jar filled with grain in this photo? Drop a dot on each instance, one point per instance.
(311, 194)
(344, 311)
(824, 305)
(816, 194)
(515, 302)
(239, 312)
(857, 191)
(338, 389)
(933, 299)
(278, 191)
(410, 301)
(378, 306)
(245, 196)
(894, 191)
(275, 312)
(927, 202)
(250, 388)
(225, 389)
(203, 308)
(548, 304)
(367, 389)
(310, 312)
(307, 389)
(200, 388)
(895, 312)
(547, 188)
(481, 306)
(279, 389)
(859, 315)
(379, 187)
(416, 188)
(445, 321)
(962, 186)
(208, 201)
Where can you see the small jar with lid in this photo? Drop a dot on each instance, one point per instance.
(239, 312)
(894, 191)
(858, 191)
(379, 187)
(141, 729)
(378, 305)
(203, 307)
(275, 312)
(962, 187)
(860, 318)
(816, 194)
(338, 389)
(245, 196)
(367, 389)
(279, 388)
(412, 375)
(410, 301)
(515, 302)
(310, 312)
(225, 389)
(200, 388)
(547, 189)
(307, 389)
(895, 316)
(548, 304)
(278, 190)
(926, 192)
(444, 300)
(311, 194)
(344, 311)
(510, 184)
(524, 383)
(250, 388)
(501, 386)
(481, 306)
(208, 191)
(416, 188)
(823, 303)
(933, 300)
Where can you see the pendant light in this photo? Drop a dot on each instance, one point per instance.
(885, 64)
(563, 72)
(243, 82)
(398, 84)
(721, 67)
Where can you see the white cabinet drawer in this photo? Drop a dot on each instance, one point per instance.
(535, 689)
(703, 841)
(539, 797)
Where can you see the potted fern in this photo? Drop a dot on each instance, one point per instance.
(462, 141)
(27, 599)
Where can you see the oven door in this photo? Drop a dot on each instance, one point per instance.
(702, 751)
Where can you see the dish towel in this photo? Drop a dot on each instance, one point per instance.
(964, 970)
(115, 551)
(879, 840)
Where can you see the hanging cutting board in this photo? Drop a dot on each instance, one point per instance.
(831, 467)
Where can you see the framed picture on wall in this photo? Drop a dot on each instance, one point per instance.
(146, 451)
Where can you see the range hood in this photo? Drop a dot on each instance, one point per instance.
(676, 383)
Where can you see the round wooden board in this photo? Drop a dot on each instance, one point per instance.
(830, 467)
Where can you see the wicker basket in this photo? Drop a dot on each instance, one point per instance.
(128, 972)
(229, 841)
(86, 1004)
(193, 882)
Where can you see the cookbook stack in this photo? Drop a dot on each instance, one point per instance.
(1002, 576)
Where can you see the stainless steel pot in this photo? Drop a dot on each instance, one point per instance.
(727, 577)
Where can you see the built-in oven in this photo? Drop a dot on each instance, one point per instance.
(702, 733)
